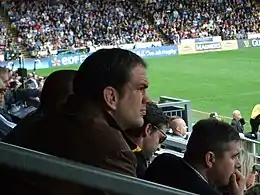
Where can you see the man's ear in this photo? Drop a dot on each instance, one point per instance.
(147, 130)
(178, 129)
(111, 97)
(210, 159)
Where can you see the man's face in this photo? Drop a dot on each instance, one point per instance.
(237, 115)
(131, 107)
(5, 78)
(182, 127)
(225, 165)
(153, 140)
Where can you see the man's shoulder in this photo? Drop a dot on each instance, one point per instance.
(92, 142)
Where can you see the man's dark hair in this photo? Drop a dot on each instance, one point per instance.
(154, 116)
(56, 89)
(209, 135)
(105, 67)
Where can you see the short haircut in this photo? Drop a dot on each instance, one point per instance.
(103, 68)
(154, 116)
(174, 118)
(56, 89)
(209, 135)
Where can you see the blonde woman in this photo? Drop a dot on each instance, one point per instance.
(247, 163)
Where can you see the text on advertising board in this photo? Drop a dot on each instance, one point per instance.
(249, 43)
(70, 59)
(207, 46)
(203, 39)
(156, 51)
(255, 42)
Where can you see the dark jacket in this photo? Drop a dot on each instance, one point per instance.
(80, 136)
(170, 170)
(19, 133)
(12, 96)
(238, 124)
(142, 164)
(4, 128)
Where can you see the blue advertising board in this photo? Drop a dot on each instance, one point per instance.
(203, 39)
(29, 63)
(156, 51)
(77, 58)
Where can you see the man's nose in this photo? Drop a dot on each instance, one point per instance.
(146, 99)
(238, 164)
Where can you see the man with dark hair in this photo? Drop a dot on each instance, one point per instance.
(148, 137)
(211, 159)
(57, 87)
(109, 97)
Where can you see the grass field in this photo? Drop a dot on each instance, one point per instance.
(219, 81)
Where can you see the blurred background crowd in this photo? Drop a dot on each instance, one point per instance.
(45, 28)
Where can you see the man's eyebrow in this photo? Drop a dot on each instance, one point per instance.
(236, 154)
(145, 85)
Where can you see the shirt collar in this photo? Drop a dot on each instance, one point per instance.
(196, 171)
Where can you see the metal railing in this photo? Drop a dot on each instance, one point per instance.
(54, 167)
(176, 107)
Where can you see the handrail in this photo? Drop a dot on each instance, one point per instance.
(32, 161)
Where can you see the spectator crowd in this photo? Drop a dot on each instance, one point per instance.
(109, 122)
(8, 45)
(46, 27)
(77, 24)
(101, 114)
(230, 19)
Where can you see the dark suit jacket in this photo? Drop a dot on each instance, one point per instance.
(77, 136)
(238, 124)
(141, 164)
(170, 170)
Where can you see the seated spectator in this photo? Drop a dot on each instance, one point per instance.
(214, 115)
(6, 124)
(211, 159)
(57, 88)
(148, 137)
(247, 163)
(178, 127)
(109, 97)
(13, 95)
(238, 122)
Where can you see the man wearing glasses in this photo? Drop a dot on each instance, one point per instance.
(149, 137)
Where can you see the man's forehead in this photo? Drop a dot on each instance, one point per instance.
(139, 75)
(233, 147)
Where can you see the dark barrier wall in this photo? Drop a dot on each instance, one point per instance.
(247, 43)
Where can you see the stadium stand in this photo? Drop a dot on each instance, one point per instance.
(46, 28)
(191, 19)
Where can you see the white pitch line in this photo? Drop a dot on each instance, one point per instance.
(202, 112)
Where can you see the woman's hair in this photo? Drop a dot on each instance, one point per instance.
(247, 162)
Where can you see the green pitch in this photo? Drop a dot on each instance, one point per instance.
(219, 81)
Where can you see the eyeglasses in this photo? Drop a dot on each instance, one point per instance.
(164, 136)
